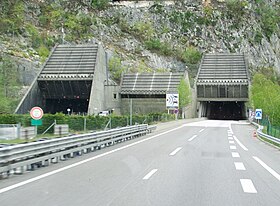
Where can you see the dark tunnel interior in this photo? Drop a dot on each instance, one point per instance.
(76, 106)
(225, 110)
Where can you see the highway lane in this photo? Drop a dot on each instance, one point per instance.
(188, 164)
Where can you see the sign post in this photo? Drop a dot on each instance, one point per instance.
(36, 113)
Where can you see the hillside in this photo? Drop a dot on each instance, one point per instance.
(144, 36)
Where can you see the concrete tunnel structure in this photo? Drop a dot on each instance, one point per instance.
(73, 77)
(222, 86)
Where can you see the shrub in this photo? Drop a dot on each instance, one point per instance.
(191, 55)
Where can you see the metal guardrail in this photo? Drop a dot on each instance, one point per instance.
(266, 136)
(22, 157)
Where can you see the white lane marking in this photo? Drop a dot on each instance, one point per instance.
(240, 144)
(239, 166)
(147, 176)
(230, 135)
(82, 162)
(231, 142)
(235, 154)
(269, 169)
(175, 151)
(248, 186)
(201, 130)
(232, 147)
(230, 138)
(192, 138)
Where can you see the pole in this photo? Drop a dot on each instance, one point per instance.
(130, 112)
(85, 124)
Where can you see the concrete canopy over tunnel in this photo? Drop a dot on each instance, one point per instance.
(222, 85)
(72, 78)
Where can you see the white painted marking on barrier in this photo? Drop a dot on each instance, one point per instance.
(175, 151)
(269, 169)
(232, 147)
(6, 189)
(147, 176)
(239, 166)
(235, 154)
(201, 130)
(240, 144)
(248, 186)
(231, 142)
(192, 138)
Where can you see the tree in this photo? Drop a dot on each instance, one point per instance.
(184, 95)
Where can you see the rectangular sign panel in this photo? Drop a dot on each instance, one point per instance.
(36, 122)
(172, 101)
(258, 114)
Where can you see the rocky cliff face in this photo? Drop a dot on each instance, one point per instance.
(160, 35)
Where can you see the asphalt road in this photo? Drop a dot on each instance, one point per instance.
(200, 163)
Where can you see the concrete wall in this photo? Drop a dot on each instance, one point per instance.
(113, 98)
(97, 95)
(32, 98)
(143, 105)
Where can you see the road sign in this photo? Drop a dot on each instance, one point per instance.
(258, 114)
(36, 122)
(172, 101)
(36, 113)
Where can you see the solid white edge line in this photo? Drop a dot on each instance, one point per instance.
(147, 176)
(269, 169)
(239, 166)
(14, 186)
(248, 186)
(232, 147)
(240, 144)
(175, 151)
(192, 138)
(235, 154)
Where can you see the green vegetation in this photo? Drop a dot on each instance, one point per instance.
(269, 17)
(266, 95)
(116, 69)
(9, 85)
(191, 55)
(162, 48)
(184, 94)
(99, 4)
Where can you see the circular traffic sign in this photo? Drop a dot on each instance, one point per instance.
(36, 113)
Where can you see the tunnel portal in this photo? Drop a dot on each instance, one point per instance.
(222, 86)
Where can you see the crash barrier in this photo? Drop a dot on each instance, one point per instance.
(28, 132)
(61, 129)
(9, 131)
(19, 158)
(265, 136)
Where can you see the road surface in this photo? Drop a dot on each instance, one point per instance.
(208, 162)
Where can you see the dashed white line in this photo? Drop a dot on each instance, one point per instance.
(239, 166)
(235, 154)
(248, 186)
(192, 138)
(231, 142)
(240, 144)
(269, 169)
(151, 173)
(201, 130)
(230, 138)
(175, 151)
(232, 147)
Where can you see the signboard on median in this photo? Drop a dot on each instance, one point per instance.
(172, 101)
(258, 114)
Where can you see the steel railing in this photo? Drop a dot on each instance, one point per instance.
(22, 157)
(266, 136)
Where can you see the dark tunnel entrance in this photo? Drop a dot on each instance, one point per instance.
(224, 110)
(76, 106)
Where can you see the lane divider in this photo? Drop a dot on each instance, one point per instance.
(239, 166)
(248, 186)
(231, 142)
(150, 174)
(175, 151)
(232, 147)
(192, 138)
(235, 154)
(269, 169)
(201, 130)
